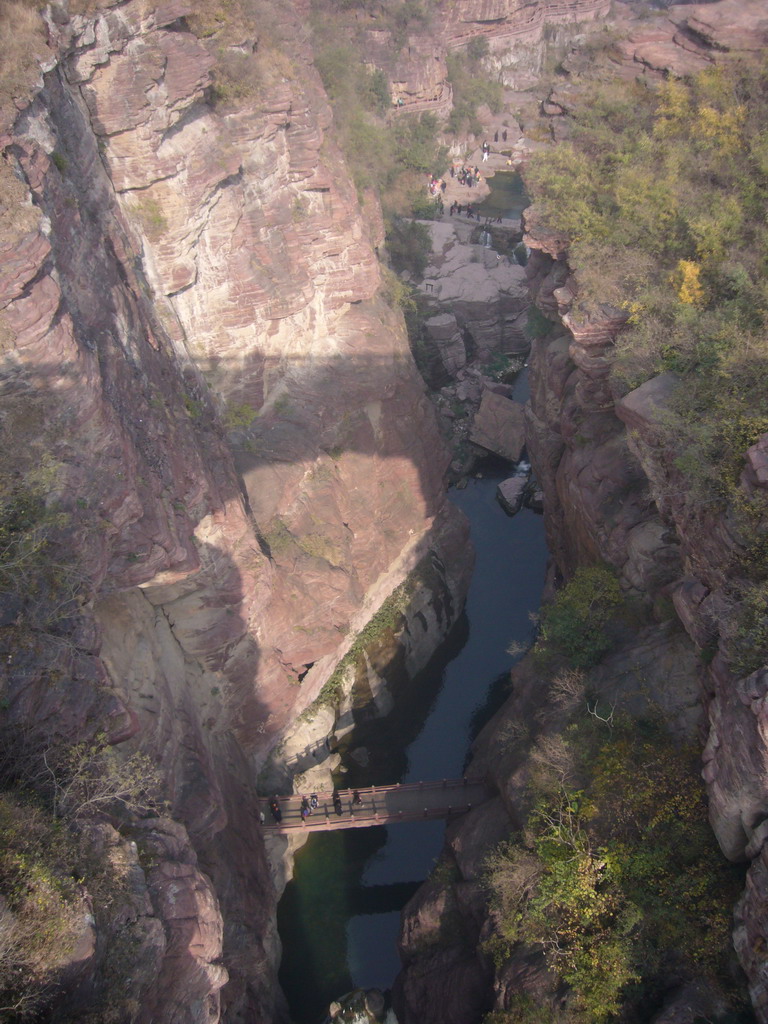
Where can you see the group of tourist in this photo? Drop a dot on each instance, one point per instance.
(310, 804)
(470, 212)
(459, 208)
(468, 176)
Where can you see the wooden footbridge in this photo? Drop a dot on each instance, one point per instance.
(378, 805)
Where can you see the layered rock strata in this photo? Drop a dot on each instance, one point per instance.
(200, 379)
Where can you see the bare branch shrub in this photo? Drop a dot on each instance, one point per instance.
(511, 877)
(567, 691)
(90, 777)
(605, 716)
(553, 763)
(78, 781)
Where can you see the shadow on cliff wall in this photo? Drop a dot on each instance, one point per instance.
(165, 648)
(354, 403)
(339, 468)
(161, 649)
(171, 666)
(341, 453)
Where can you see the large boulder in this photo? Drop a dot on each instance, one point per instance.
(499, 426)
(511, 492)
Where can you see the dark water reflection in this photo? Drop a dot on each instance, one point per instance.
(507, 197)
(340, 917)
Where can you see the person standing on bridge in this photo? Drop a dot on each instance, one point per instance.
(357, 800)
(274, 807)
(337, 803)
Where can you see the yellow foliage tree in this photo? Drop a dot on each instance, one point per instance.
(685, 280)
(721, 128)
(674, 110)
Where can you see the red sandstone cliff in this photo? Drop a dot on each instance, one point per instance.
(200, 376)
(239, 450)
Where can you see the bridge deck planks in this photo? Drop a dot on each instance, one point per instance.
(380, 805)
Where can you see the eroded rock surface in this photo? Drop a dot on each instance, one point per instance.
(200, 375)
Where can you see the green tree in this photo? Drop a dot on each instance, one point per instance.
(576, 622)
(409, 245)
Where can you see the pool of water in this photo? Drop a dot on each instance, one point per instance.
(340, 916)
(506, 199)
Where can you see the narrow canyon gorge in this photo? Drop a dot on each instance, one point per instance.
(230, 416)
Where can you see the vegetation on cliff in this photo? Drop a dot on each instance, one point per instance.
(377, 637)
(616, 876)
(662, 195)
(39, 918)
(22, 46)
(60, 886)
(576, 624)
(471, 87)
(389, 155)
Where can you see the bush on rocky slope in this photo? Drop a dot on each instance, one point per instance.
(38, 907)
(388, 155)
(616, 876)
(471, 88)
(59, 884)
(576, 624)
(662, 195)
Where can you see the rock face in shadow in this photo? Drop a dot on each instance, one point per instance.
(200, 377)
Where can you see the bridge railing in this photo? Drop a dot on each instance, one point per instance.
(372, 806)
(328, 822)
